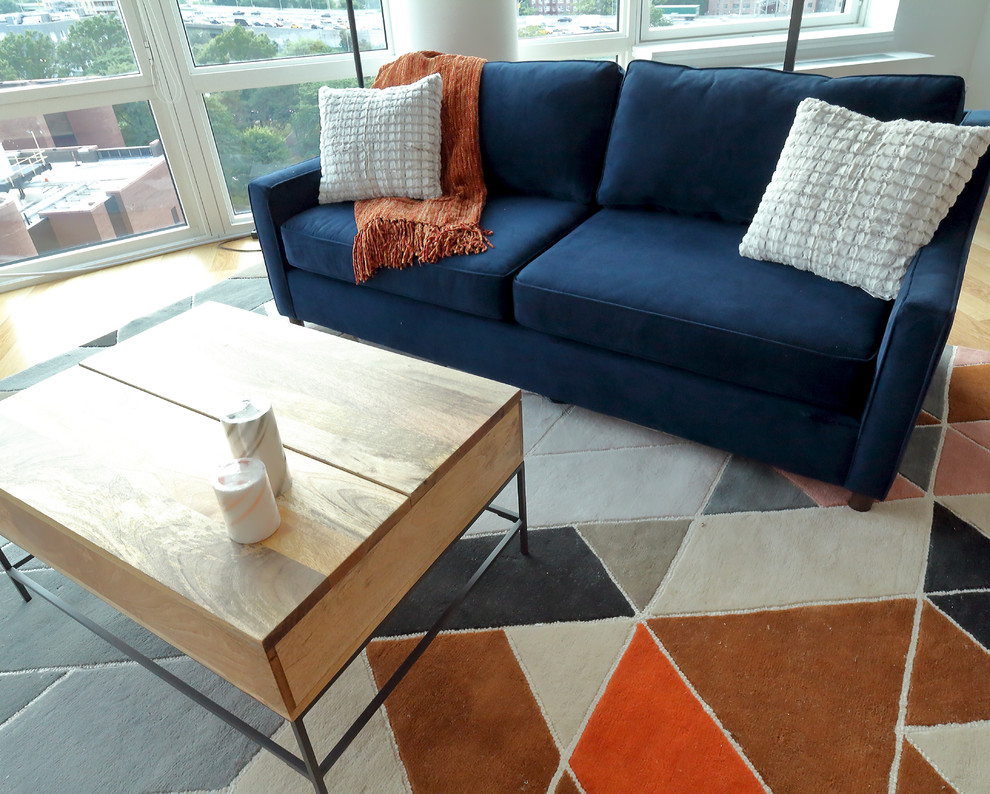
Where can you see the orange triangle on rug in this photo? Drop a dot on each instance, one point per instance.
(650, 734)
(969, 393)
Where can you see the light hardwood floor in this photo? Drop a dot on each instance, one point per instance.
(39, 322)
(972, 324)
(42, 321)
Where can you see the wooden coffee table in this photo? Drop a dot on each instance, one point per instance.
(105, 476)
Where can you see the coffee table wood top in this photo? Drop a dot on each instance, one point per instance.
(105, 475)
(390, 418)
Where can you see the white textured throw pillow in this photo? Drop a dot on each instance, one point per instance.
(853, 198)
(377, 142)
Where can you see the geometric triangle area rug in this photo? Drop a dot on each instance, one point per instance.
(686, 621)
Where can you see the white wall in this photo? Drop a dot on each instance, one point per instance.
(979, 75)
(956, 33)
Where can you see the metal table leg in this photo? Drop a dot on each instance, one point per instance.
(314, 773)
(8, 566)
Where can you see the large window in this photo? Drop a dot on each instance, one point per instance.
(263, 127)
(234, 33)
(539, 18)
(267, 125)
(727, 17)
(258, 130)
(78, 178)
(73, 176)
(68, 45)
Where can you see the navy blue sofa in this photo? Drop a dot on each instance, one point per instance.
(617, 202)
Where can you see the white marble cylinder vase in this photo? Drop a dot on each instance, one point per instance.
(246, 500)
(252, 433)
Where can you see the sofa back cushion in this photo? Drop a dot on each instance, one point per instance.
(706, 141)
(544, 126)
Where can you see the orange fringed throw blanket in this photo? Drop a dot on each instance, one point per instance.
(395, 232)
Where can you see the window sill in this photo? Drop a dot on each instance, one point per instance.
(761, 49)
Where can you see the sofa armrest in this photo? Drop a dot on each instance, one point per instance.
(976, 118)
(275, 198)
(915, 338)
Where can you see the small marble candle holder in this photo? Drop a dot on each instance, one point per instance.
(252, 433)
(246, 500)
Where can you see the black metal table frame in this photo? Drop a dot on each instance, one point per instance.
(309, 766)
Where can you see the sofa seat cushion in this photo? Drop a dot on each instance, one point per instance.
(320, 240)
(674, 289)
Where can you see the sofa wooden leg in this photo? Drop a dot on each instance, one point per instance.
(860, 502)
(294, 321)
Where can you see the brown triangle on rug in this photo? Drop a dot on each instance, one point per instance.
(950, 680)
(810, 693)
(566, 785)
(464, 717)
(916, 775)
(969, 393)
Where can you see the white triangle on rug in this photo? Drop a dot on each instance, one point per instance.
(567, 665)
(620, 484)
(581, 430)
(539, 414)
(957, 752)
(971, 508)
(371, 763)
(779, 558)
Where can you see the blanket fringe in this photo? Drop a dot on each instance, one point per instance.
(397, 243)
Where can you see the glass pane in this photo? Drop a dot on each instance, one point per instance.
(538, 18)
(82, 177)
(708, 12)
(53, 46)
(259, 130)
(266, 29)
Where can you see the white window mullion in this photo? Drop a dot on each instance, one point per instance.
(181, 122)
